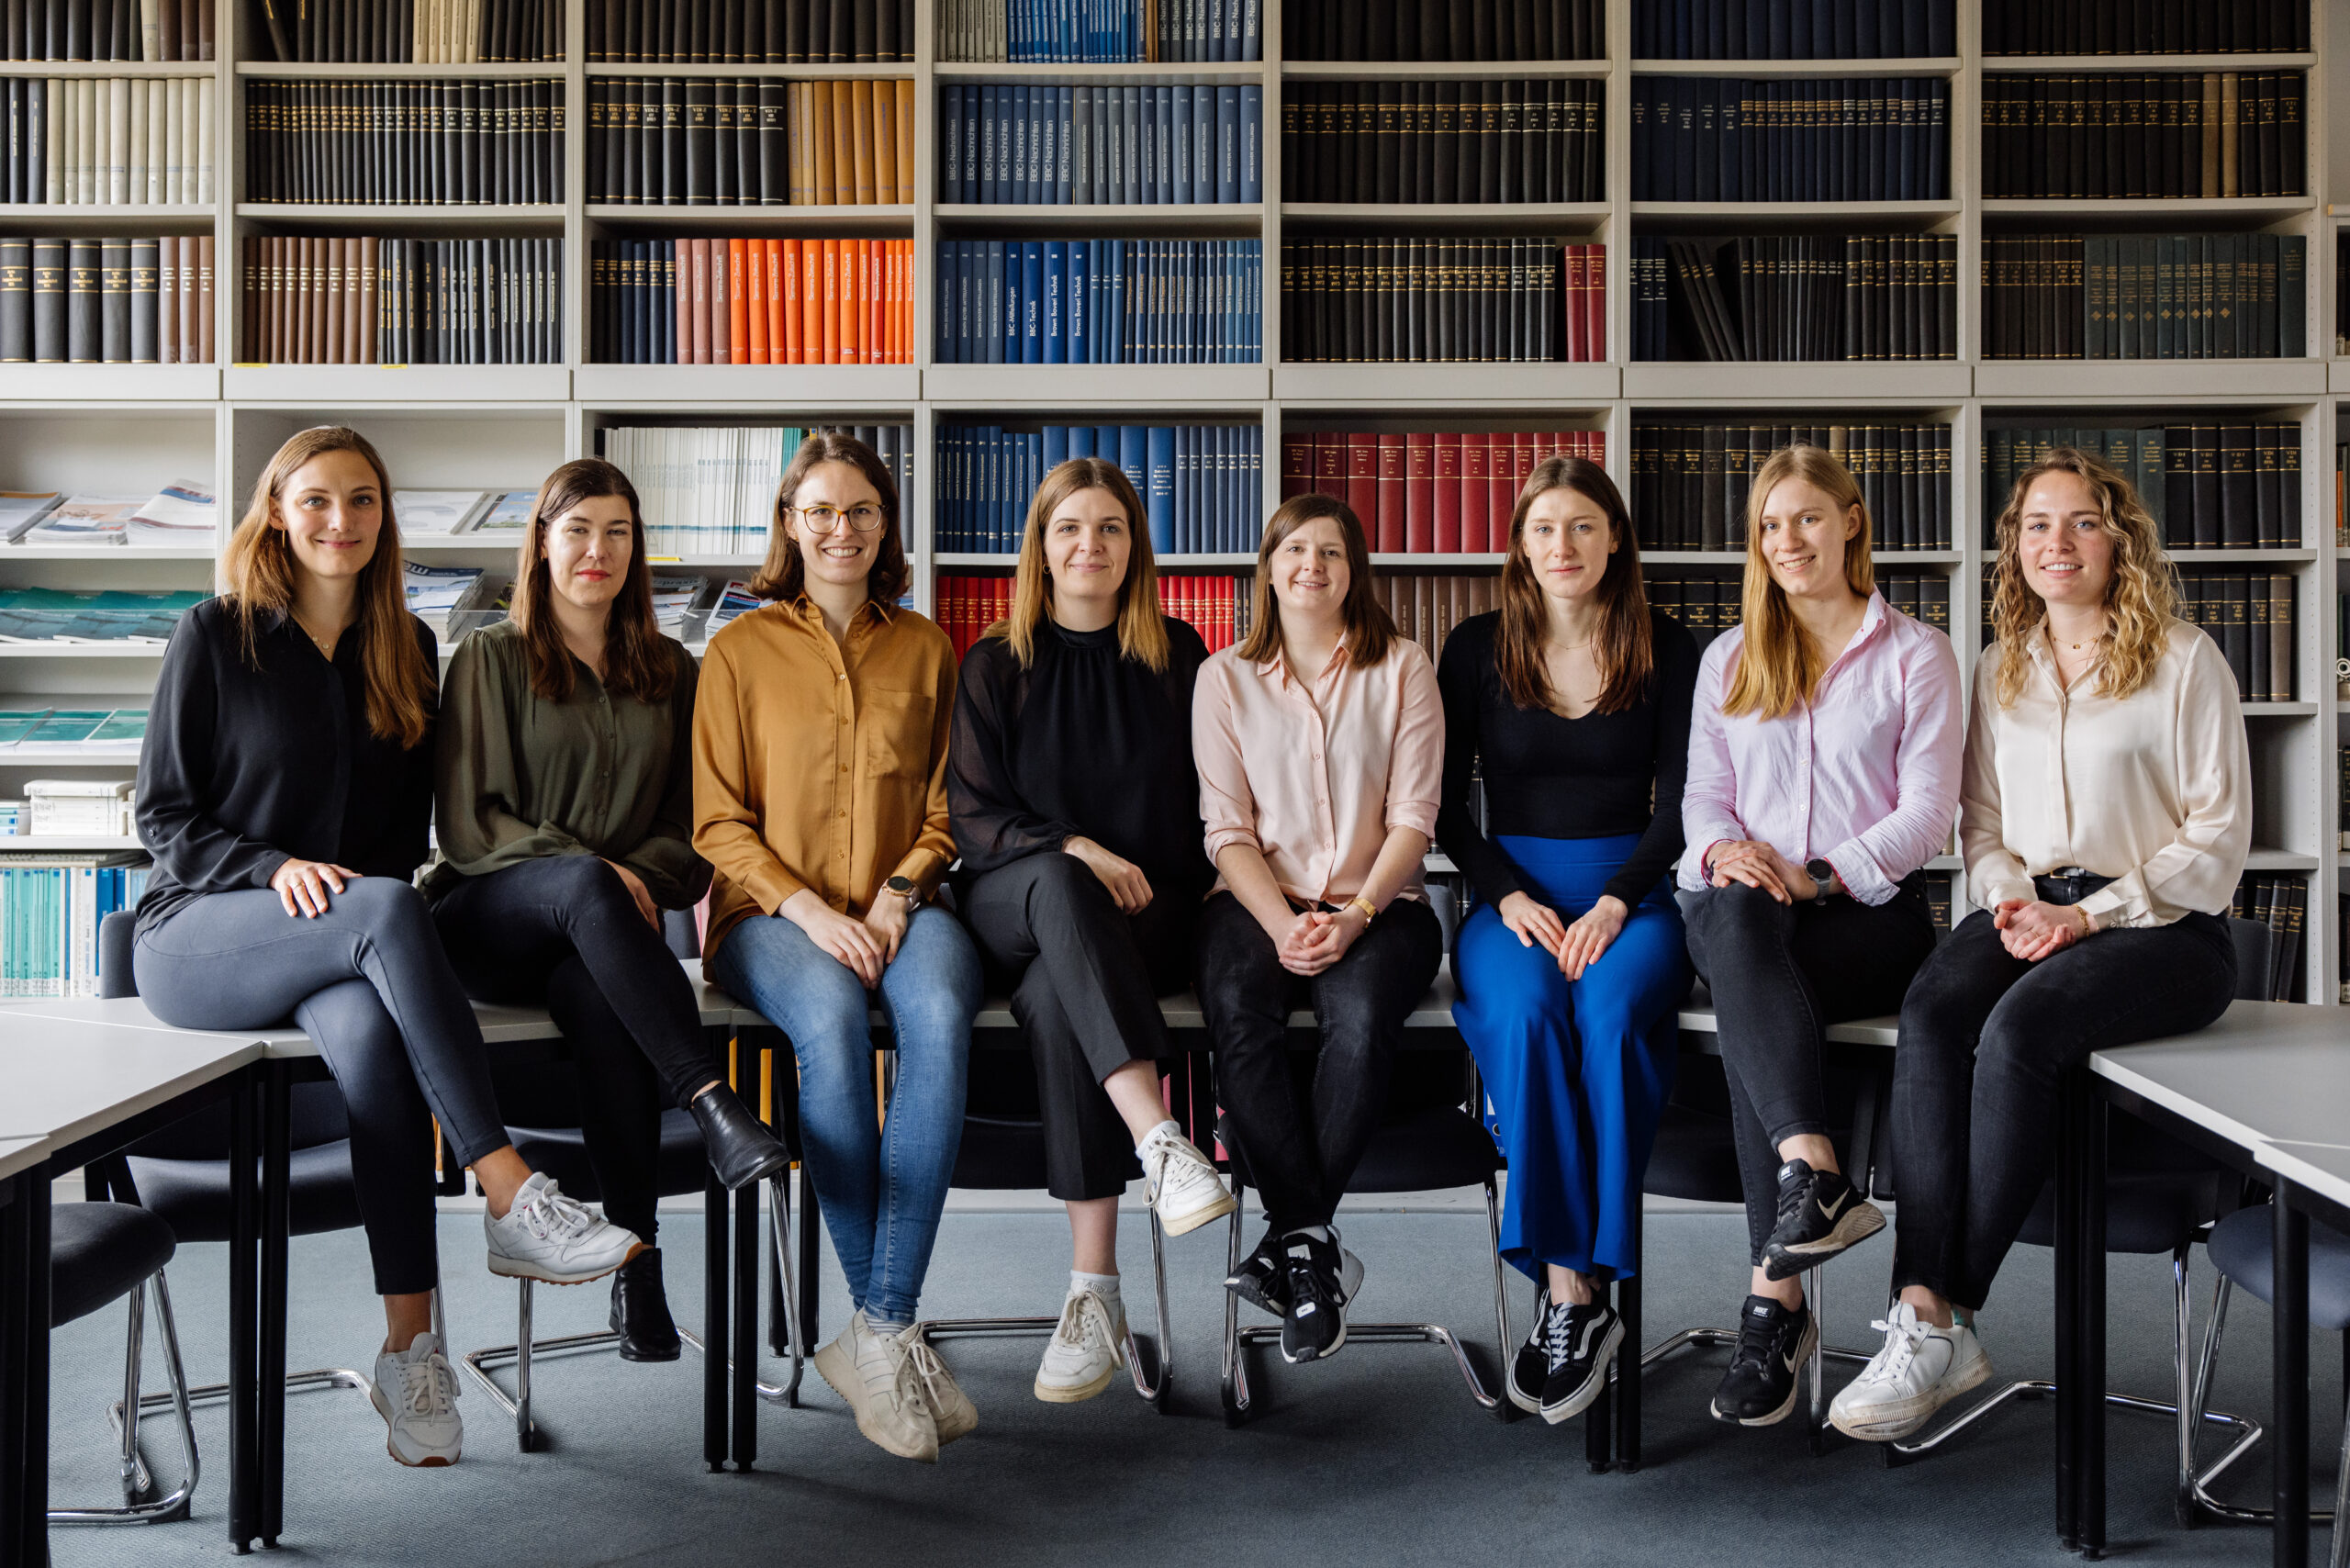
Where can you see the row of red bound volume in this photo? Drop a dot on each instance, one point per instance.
(1429, 493)
(755, 301)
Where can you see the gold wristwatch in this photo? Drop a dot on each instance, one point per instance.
(1370, 910)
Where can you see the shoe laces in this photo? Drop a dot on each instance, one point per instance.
(551, 1216)
(1758, 1340)
(427, 1387)
(1558, 1335)
(1793, 1195)
(1903, 1341)
(1083, 1321)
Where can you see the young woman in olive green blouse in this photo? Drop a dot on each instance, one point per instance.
(565, 822)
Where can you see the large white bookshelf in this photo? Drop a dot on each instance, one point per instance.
(123, 428)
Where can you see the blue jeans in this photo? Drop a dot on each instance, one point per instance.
(881, 1189)
(1577, 1071)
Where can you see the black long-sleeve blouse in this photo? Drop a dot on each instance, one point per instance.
(1085, 742)
(245, 767)
(1548, 777)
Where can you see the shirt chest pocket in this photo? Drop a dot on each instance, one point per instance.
(893, 728)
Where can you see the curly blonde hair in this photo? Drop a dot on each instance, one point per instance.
(2140, 600)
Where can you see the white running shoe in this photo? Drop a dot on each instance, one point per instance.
(552, 1239)
(416, 1393)
(873, 1373)
(951, 1410)
(1918, 1369)
(1184, 1186)
(1085, 1353)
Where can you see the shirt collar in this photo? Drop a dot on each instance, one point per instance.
(805, 608)
(1338, 663)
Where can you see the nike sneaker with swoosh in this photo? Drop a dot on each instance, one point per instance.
(1773, 1343)
(1821, 1215)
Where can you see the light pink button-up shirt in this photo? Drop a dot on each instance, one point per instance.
(1866, 777)
(1314, 778)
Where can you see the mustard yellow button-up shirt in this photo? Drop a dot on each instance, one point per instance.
(819, 764)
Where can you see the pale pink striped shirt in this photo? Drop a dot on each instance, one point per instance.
(1314, 778)
(1866, 777)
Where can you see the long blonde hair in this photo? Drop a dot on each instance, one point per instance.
(1779, 664)
(261, 572)
(2139, 601)
(1142, 630)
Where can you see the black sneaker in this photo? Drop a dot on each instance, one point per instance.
(1821, 1215)
(1262, 1279)
(1582, 1348)
(1530, 1369)
(1323, 1277)
(1773, 1343)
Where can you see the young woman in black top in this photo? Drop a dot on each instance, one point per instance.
(283, 791)
(1575, 697)
(1076, 813)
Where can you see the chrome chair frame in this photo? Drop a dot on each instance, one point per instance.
(1815, 1295)
(139, 1506)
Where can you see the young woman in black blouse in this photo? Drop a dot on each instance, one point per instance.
(1076, 813)
(1574, 696)
(283, 791)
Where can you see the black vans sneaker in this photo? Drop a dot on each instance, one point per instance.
(1323, 1277)
(1821, 1215)
(1530, 1369)
(1582, 1348)
(1773, 1343)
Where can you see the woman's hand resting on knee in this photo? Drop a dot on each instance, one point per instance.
(850, 941)
(1590, 935)
(1129, 888)
(636, 891)
(301, 885)
(1533, 923)
(2032, 931)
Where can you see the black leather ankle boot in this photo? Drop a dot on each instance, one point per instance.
(741, 1149)
(641, 1311)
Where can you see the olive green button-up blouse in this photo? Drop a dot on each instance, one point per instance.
(521, 777)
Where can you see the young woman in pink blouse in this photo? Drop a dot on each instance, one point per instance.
(1823, 775)
(1320, 746)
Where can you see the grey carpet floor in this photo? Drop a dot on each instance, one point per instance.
(1377, 1456)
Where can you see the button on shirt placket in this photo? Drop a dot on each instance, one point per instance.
(1326, 861)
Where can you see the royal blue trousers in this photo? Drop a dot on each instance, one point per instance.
(1576, 1072)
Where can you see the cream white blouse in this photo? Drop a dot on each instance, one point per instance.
(2153, 790)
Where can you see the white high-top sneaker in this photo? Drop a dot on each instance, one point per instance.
(1184, 1186)
(1918, 1369)
(416, 1393)
(1084, 1354)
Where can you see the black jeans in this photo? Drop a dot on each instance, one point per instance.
(1300, 1155)
(1780, 974)
(563, 933)
(1085, 987)
(1986, 1039)
(368, 981)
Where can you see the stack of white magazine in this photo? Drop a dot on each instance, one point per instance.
(673, 602)
(437, 595)
(437, 513)
(85, 520)
(95, 807)
(736, 599)
(19, 510)
(183, 514)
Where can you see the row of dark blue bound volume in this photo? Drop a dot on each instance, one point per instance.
(1201, 485)
(1059, 32)
(1101, 301)
(1048, 146)
(1796, 30)
(1830, 139)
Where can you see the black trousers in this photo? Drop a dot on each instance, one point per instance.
(563, 933)
(1986, 1039)
(1085, 984)
(1780, 974)
(1301, 1148)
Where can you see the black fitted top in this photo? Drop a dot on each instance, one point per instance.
(1085, 742)
(1548, 777)
(247, 767)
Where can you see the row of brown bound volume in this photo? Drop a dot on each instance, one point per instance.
(2213, 133)
(1426, 606)
(154, 30)
(704, 141)
(751, 32)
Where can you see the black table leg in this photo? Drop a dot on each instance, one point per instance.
(2068, 1308)
(24, 1369)
(715, 1380)
(2288, 1431)
(749, 1082)
(244, 1330)
(276, 1182)
(2091, 1457)
(1628, 1360)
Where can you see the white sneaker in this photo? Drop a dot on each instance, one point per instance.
(873, 1373)
(555, 1239)
(1920, 1369)
(1184, 1186)
(951, 1410)
(1085, 1353)
(416, 1393)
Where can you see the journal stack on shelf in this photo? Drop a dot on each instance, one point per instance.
(1400, 249)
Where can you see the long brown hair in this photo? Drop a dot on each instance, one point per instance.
(2140, 600)
(1369, 629)
(1779, 665)
(636, 664)
(1624, 645)
(261, 572)
(784, 575)
(1142, 630)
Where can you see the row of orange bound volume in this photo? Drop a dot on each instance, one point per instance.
(695, 301)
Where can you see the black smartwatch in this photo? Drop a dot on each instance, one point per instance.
(904, 887)
(1823, 879)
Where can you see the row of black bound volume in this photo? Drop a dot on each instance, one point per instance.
(1534, 140)
(2213, 133)
(1790, 139)
(1385, 299)
(105, 301)
(1795, 29)
(1691, 482)
(436, 143)
(751, 32)
(2145, 296)
(1712, 604)
(408, 32)
(1443, 30)
(148, 31)
(2146, 26)
(1804, 296)
(2211, 486)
